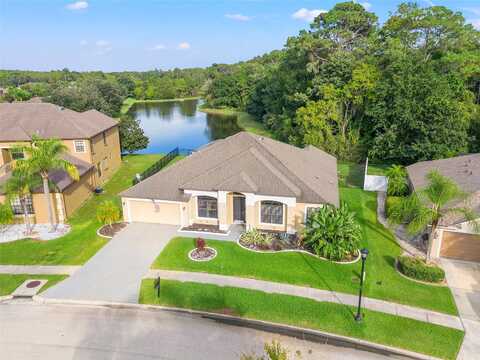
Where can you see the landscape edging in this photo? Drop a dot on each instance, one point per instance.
(202, 260)
(299, 251)
(267, 326)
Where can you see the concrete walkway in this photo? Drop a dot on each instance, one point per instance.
(114, 274)
(463, 277)
(311, 293)
(39, 269)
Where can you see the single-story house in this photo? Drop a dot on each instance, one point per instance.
(245, 178)
(456, 237)
(93, 144)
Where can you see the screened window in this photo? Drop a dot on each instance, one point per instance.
(310, 211)
(17, 154)
(79, 146)
(17, 205)
(104, 138)
(271, 212)
(207, 207)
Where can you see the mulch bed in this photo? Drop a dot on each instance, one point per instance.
(204, 254)
(204, 228)
(110, 231)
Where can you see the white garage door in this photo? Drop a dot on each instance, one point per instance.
(154, 212)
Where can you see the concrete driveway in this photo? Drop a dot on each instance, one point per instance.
(115, 272)
(463, 277)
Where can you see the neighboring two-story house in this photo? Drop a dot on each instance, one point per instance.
(93, 144)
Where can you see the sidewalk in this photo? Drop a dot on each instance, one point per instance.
(311, 293)
(39, 269)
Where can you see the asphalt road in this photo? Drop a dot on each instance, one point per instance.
(35, 331)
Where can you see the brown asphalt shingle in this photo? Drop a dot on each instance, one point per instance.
(19, 121)
(247, 163)
(464, 170)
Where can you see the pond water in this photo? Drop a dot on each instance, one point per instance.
(180, 123)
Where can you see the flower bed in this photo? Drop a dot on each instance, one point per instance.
(271, 242)
(205, 254)
(108, 231)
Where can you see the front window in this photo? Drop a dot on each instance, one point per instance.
(207, 207)
(79, 146)
(17, 154)
(310, 211)
(17, 205)
(271, 212)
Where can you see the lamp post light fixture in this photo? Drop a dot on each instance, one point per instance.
(364, 254)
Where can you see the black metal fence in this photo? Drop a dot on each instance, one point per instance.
(160, 164)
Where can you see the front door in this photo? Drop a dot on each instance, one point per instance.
(239, 209)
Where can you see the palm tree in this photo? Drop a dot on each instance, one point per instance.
(44, 155)
(428, 206)
(21, 184)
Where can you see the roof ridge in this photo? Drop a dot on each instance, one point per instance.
(283, 164)
(295, 189)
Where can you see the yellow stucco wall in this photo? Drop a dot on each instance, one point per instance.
(107, 156)
(77, 193)
(40, 208)
(85, 156)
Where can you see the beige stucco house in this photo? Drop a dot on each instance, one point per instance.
(244, 179)
(456, 237)
(93, 144)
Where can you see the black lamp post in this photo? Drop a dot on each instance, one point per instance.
(364, 254)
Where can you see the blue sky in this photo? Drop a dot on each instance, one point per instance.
(115, 35)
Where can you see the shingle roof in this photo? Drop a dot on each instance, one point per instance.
(464, 170)
(247, 163)
(58, 177)
(19, 121)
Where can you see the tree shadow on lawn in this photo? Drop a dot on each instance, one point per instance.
(326, 286)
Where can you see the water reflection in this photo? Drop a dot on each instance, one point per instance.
(179, 123)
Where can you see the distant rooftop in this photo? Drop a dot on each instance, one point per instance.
(19, 121)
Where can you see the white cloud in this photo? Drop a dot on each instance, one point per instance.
(238, 17)
(157, 47)
(183, 46)
(77, 5)
(103, 47)
(83, 42)
(307, 15)
(366, 5)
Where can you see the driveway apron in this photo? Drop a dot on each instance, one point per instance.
(463, 277)
(115, 272)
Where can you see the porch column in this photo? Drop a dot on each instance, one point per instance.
(250, 221)
(222, 210)
(437, 243)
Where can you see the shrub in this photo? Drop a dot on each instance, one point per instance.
(200, 244)
(6, 215)
(397, 181)
(391, 202)
(417, 269)
(257, 238)
(332, 233)
(108, 212)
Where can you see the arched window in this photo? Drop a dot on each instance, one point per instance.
(271, 212)
(207, 207)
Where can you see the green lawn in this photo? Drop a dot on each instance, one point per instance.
(352, 174)
(244, 120)
(81, 242)
(383, 282)
(376, 327)
(9, 282)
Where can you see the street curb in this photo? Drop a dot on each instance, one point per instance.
(6, 298)
(281, 329)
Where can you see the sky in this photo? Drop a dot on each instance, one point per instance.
(117, 35)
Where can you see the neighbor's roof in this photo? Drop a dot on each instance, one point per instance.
(19, 121)
(249, 163)
(58, 177)
(464, 170)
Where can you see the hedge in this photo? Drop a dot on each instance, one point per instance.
(417, 269)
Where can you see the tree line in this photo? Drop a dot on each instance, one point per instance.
(400, 92)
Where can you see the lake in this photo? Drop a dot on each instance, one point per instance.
(180, 123)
